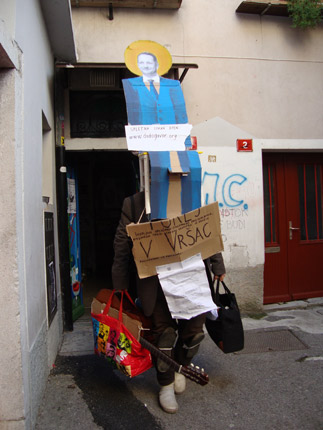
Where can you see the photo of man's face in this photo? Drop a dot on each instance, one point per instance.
(147, 64)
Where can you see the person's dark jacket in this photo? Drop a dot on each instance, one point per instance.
(132, 210)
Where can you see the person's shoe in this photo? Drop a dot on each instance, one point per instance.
(167, 399)
(180, 383)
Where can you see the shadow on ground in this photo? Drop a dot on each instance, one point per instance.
(111, 403)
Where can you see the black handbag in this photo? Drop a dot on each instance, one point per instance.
(227, 330)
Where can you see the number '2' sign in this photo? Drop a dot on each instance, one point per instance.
(244, 145)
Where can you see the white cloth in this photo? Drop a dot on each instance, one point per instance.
(186, 287)
(147, 79)
(213, 315)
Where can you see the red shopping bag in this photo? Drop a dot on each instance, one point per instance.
(114, 341)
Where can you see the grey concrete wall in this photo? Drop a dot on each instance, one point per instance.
(247, 284)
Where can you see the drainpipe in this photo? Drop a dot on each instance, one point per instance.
(62, 216)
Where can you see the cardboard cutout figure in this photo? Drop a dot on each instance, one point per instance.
(175, 182)
(152, 99)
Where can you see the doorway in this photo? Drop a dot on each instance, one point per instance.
(104, 179)
(293, 205)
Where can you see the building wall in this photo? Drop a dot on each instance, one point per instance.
(11, 395)
(26, 98)
(257, 78)
(255, 72)
(234, 179)
(8, 16)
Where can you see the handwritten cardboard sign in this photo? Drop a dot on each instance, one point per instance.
(171, 240)
(157, 137)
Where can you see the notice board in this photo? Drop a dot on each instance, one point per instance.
(171, 240)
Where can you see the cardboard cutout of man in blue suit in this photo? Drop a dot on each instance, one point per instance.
(152, 99)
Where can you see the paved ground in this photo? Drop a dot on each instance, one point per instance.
(275, 383)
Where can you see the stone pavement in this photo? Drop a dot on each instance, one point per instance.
(276, 382)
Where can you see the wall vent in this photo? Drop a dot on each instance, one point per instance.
(103, 78)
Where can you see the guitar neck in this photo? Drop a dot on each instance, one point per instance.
(191, 372)
(156, 352)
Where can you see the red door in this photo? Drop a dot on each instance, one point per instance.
(293, 202)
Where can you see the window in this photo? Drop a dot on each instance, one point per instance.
(310, 200)
(270, 205)
(97, 114)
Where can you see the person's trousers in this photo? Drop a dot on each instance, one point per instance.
(187, 332)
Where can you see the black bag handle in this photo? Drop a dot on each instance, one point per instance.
(217, 292)
(223, 284)
(209, 278)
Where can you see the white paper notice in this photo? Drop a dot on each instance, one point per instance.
(71, 204)
(157, 137)
(186, 287)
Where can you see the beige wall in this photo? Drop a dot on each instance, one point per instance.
(11, 393)
(256, 73)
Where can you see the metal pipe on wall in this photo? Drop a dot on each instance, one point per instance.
(61, 198)
(64, 262)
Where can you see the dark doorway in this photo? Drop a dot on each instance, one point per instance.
(105, 178)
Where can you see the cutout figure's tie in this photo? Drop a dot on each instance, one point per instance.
(153, 89)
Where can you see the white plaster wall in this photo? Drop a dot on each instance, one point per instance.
(255, 72)
(11, 381)
(11, 375)
(234, 179)
(7, 15)
(294, 145)
(41, 345)
(37, 82)
(26, 92)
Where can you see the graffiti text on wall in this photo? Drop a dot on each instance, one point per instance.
(233, 209)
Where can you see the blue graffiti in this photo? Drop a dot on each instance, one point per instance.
(216, 177)
(227, 189)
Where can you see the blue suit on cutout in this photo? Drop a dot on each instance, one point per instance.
(144, 108)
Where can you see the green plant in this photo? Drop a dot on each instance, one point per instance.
(305, 13)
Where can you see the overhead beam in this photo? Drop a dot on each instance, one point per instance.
(175, 66)
(141, 4)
